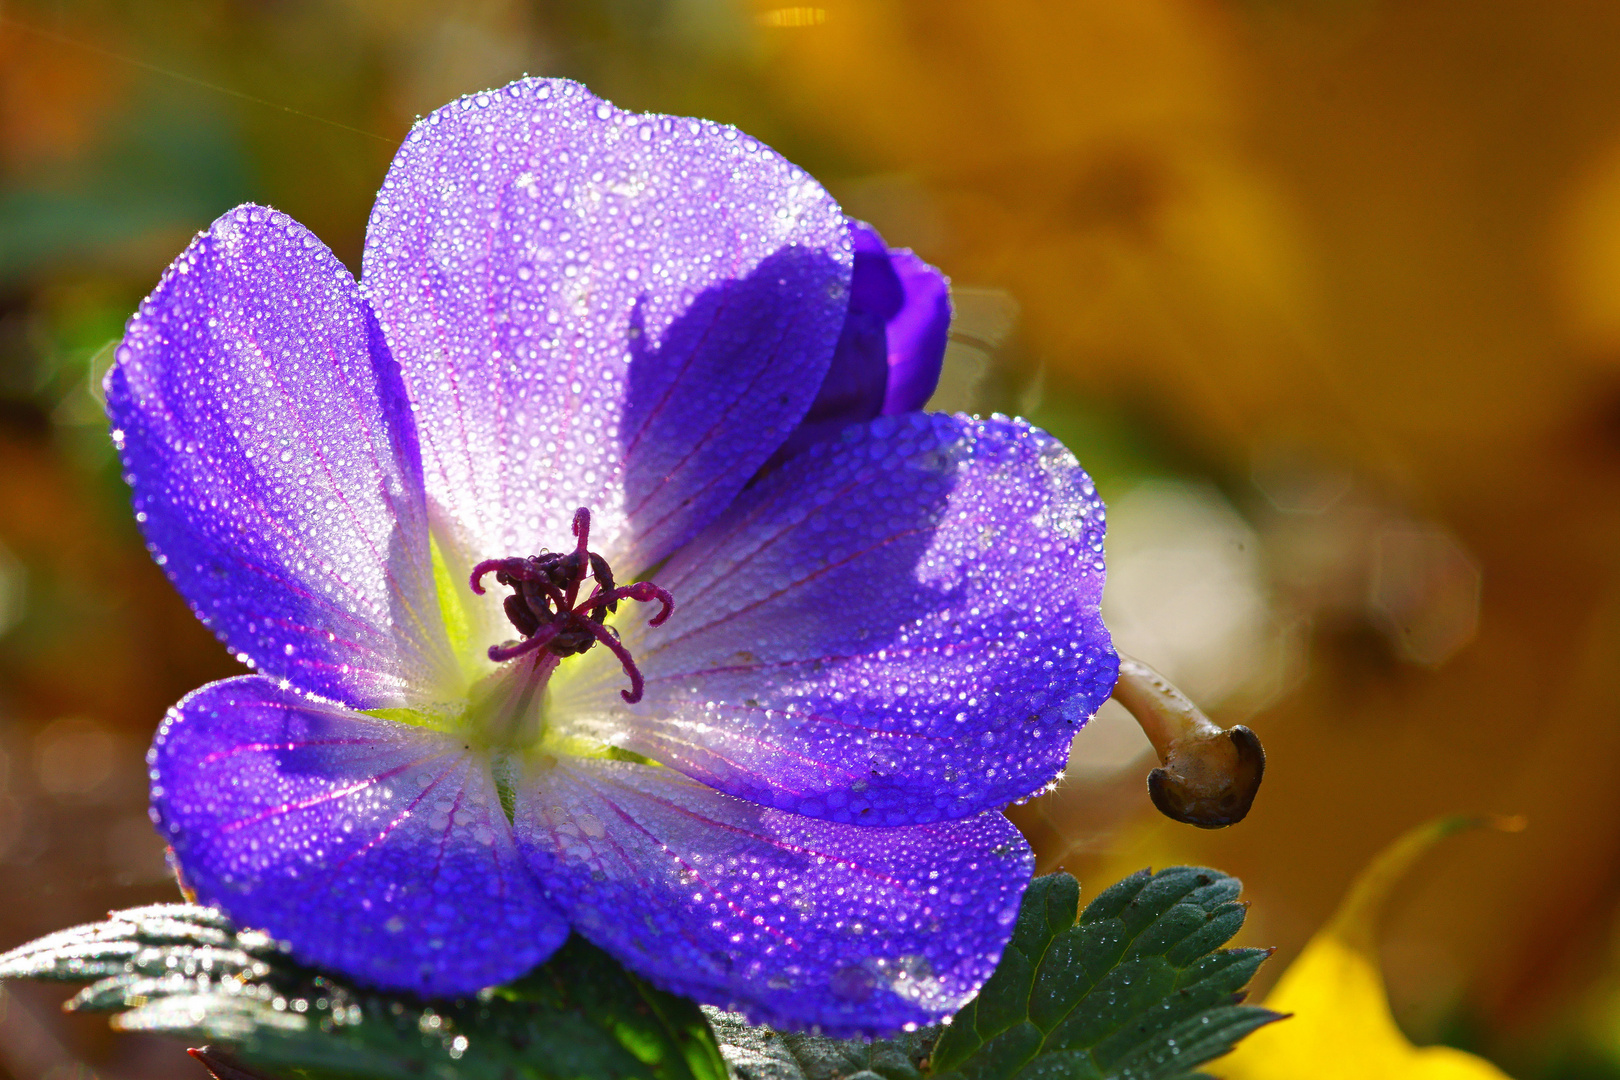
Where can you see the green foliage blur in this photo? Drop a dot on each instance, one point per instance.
(1326, 294)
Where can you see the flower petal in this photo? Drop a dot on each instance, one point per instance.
(858, 377)
(374, 848)
(891, 347)
(793, 921)
(898, 627)
(598, 308)
(917, 333)
(274, 464)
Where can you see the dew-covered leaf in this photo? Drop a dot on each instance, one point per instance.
(183, 970)
(763, 1053)
(1137, 989)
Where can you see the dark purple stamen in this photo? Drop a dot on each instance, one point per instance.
(543, 604)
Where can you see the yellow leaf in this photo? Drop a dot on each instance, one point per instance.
(1341, 1027)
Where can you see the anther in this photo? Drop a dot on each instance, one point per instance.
(546, 609)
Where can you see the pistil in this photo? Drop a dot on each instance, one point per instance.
(545, 607)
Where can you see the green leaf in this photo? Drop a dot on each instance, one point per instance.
(1137, 989)
(762, 1053)
(183, 970)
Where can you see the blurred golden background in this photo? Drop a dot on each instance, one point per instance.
(1325, 293)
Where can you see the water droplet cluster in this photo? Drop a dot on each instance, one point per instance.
(599, 308)
(901, 626)
(372, 847)
(251, 405)
(704, 893)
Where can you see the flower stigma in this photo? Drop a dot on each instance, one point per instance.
(546, 609)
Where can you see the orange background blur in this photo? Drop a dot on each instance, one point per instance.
(1326, 293)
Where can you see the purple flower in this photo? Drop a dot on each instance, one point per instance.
(581, 336)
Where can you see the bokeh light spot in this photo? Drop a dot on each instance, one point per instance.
(74, 756)
(12, 590)
(1424, 592)
(1186, 589)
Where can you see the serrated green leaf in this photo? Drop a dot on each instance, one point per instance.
(762, 1053)
(1137, 988)
(183, 970)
